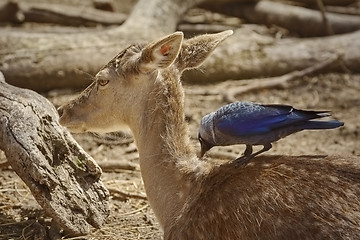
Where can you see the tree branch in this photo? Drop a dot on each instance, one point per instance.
(125, 195)
(327, 25)
(230, 92)
(247, 54)
(19, 12)
(294, 18)
(231, 88)
(47, 61)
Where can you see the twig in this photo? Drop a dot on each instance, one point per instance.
(229, 90)
(281, 81)
(115, 165)
(135, 211)
(20, 12)
(125, 195)
(328, 27)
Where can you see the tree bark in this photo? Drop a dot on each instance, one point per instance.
(19, 12)
(303, 2)
(247, 55)
(298, 20)
(343, 10)
(63, 178)
(231, 89)
(46, 61)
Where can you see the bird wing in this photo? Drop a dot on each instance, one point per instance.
(252, 119)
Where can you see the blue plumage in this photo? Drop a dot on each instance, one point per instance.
(256, 124)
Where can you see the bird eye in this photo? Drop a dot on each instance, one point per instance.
(103, 82)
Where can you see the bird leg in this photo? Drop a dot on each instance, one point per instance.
(248, 151)
(248, 155)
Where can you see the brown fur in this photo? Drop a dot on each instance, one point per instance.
(307, 197)
(275, 197)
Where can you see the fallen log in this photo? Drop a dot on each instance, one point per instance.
(232, 88)
(46, 61)
(20, 12)
(294, 18)
(343, 10)
(327, 2)
(42, 61)
(299, 2)
(247, 55)
(62, 177)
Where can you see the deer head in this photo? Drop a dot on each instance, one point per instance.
(121, 88)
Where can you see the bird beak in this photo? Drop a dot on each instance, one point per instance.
(204, 148)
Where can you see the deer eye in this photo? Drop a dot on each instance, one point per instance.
(103, 82)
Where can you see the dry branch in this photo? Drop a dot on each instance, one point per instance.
(301, 2)
(324, 17)
(298, 20)
(126, 195)
(247, 55)
(63, 178)
(229, 92)
(46, 61)
(327, 2)
(117, 165)
(343, 10)
(19, 12)
(230, 89)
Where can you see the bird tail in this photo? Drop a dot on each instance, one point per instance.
(322, 124)
(312, 114)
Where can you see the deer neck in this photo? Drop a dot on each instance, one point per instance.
(167, 160)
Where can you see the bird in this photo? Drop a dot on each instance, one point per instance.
(256, 124)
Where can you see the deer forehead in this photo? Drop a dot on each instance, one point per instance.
(125, 62)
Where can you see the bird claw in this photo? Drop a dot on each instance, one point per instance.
(242, 161)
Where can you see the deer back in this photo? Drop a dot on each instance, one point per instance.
(274, 197)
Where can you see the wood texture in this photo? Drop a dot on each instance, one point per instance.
(298, 20)
(63, 178)
(42, 61)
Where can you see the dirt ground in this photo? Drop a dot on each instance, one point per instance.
(131, 216)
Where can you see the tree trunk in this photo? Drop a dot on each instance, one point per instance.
(63, 178)
(19, 12)
(46, 61)
(298, 20)
(247, 55)
(307, 2)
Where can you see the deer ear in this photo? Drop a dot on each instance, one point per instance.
(160, 54)
(195, 50)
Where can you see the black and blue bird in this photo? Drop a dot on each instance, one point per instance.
(257, 124)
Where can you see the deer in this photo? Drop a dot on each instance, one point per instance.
(272, 197)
